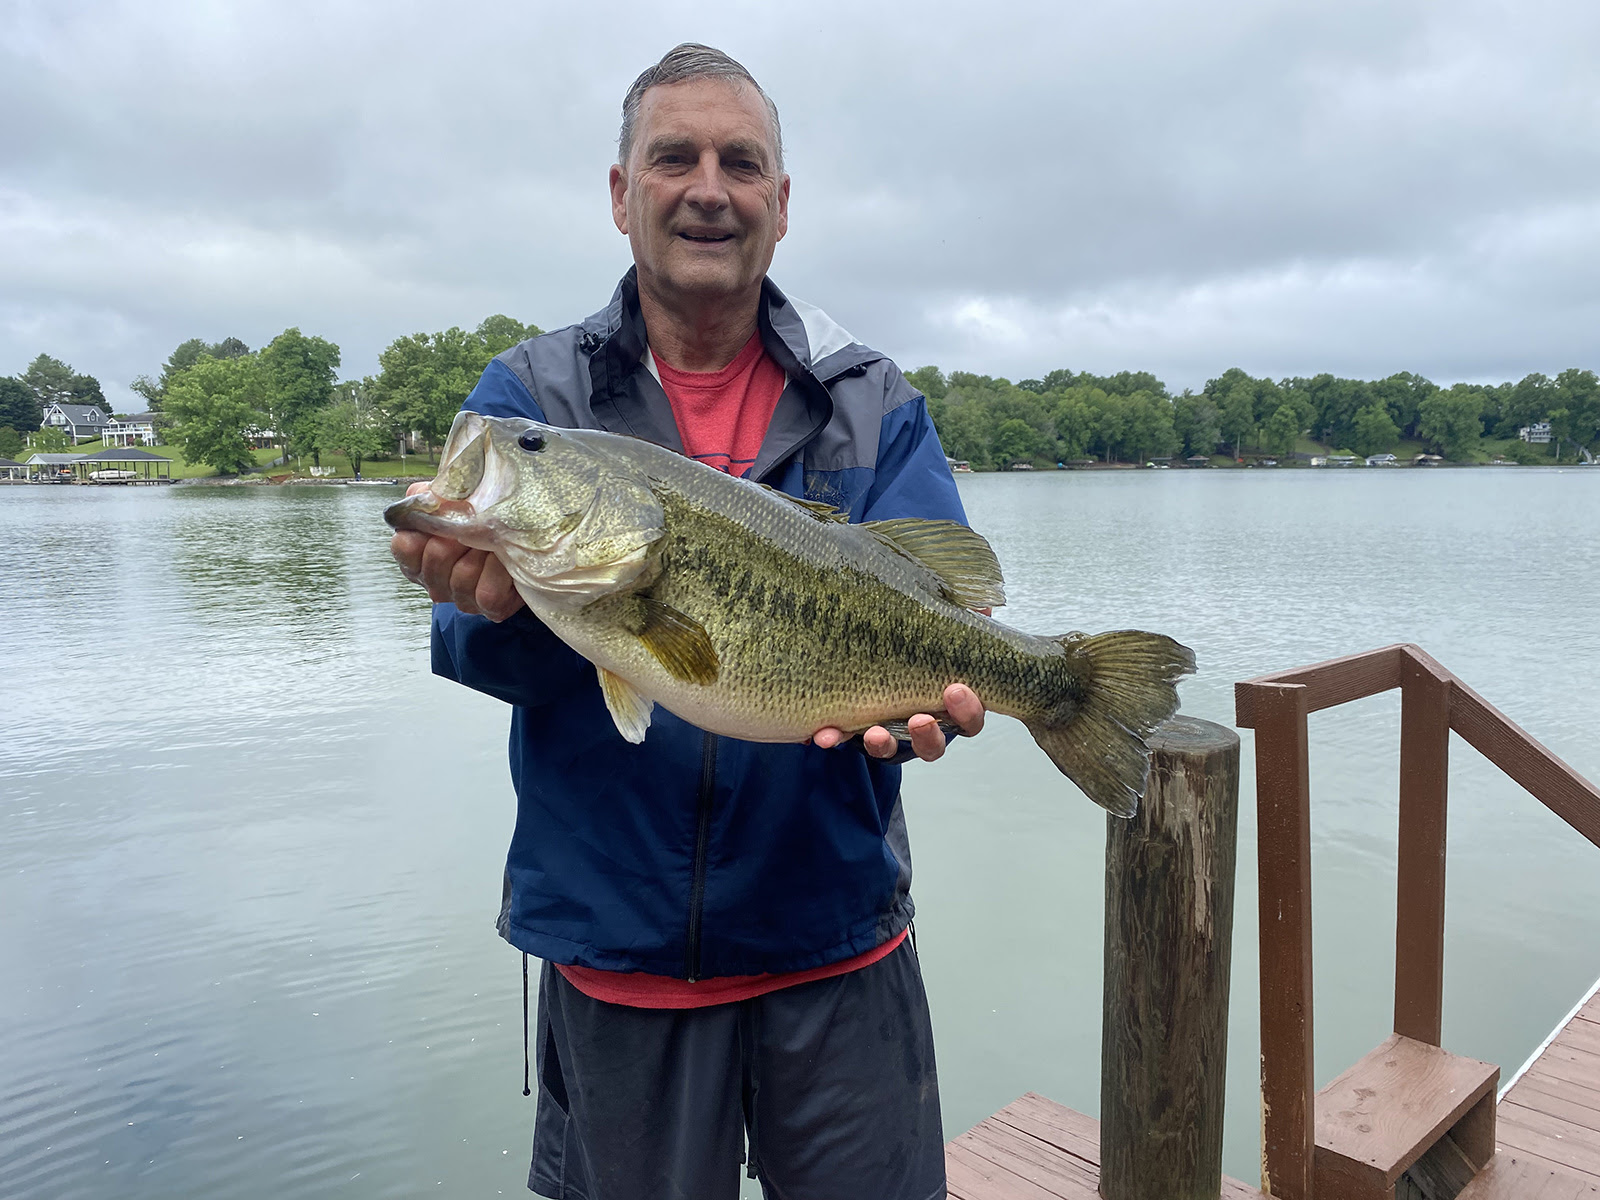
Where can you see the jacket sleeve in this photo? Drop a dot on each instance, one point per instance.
(517, 660)
(912, 478)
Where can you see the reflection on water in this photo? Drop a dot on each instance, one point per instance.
(250, 849)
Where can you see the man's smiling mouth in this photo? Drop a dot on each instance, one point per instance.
(707, 239)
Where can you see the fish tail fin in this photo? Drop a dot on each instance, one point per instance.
(1124, 685)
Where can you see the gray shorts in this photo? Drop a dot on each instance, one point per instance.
(830, 1085)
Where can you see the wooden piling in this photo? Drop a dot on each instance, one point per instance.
(1169, 937)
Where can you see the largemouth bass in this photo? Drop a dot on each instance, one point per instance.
(757, 616)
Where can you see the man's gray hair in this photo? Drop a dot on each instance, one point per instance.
(684, 62)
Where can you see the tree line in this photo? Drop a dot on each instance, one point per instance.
(212, 399)
(1133, 417)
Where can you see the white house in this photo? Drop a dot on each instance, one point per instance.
(1536, 434)
(81, 422)
(137, 430)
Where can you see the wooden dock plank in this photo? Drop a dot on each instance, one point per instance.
(1036, 1149)
(1549, 1119)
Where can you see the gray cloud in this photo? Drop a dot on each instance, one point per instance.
(1359, 187)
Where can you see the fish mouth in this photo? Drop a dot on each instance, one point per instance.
(424, 512)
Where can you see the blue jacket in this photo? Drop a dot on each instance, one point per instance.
(694, 855)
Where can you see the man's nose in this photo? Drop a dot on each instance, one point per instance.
(707, 186)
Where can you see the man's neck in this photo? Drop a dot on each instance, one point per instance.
(697, 336)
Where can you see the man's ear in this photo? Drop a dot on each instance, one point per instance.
(783, 207)
(619, 198)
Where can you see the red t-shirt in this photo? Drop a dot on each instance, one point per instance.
(722, 417)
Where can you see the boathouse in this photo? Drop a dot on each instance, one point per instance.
(122, 464)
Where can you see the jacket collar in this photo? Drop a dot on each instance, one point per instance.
(627, 399)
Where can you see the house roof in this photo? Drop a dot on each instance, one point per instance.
(53, 460)
(122, 454)
(144, 418)
(7, 462)
(78, 414)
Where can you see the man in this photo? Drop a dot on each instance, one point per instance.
(723, 924)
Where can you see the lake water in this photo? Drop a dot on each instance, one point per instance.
(250, 850)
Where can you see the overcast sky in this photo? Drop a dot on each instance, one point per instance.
(1354, 186)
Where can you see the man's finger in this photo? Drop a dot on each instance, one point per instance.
(927, 740)
(439, 558)
(497, 594)
(879, 742)
(464, 578)
(407, 546)
(964, 708)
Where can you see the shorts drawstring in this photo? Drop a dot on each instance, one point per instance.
(749, 1015)
(525, 1089)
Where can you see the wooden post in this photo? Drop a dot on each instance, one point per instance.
(1283, 872)
(1419, 908)
(1169, 940)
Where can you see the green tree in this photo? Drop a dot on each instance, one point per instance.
(211, 404)
(1015, 441)
(51, 439)
(1373, 431)
(19, 407)
(1238, 415)
(1453, 420)
(1281, 430)
(50, 380)
(1197, 423)
(426, 376)
(11, 442)
(929, 381)
(185, 356)
(353, 425)
(297, 377)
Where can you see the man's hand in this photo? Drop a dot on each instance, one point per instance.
(961, 705)
(474, 580)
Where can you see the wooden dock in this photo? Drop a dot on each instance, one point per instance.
(1547, 1127)
(1547, 1136)
(1036, 1149)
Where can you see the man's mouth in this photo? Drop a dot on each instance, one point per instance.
(706, 238)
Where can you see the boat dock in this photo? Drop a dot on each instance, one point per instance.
(1408, 1121)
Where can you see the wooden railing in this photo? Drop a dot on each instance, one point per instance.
(1433, 702)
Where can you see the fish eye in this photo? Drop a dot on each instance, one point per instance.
(531, 442)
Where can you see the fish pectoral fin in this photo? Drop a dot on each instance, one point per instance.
(679, 643)
(964, 562)
(628, 708)
(901, 731)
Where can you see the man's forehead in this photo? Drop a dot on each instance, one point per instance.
(721, 109)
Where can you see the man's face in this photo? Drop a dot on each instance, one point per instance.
(701, 198)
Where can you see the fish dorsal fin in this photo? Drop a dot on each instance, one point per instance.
(628, 708)
(819, 510)
(967, 570)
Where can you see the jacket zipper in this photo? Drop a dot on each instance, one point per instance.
(697, 885)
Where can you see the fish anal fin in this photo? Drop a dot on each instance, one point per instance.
(963, 560)
(901, 731)
(627, 707)
(679, 642)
